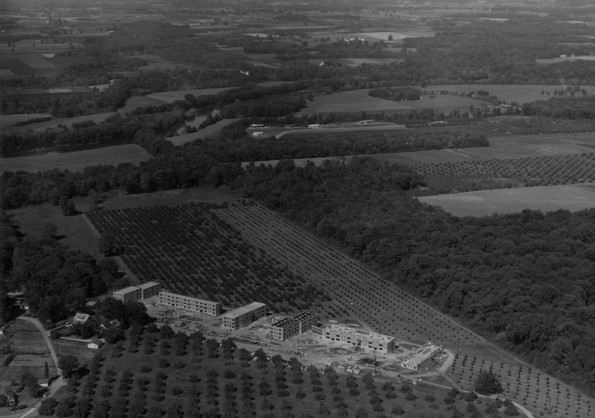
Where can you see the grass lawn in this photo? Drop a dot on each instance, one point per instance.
(489, 202)
(77, 160)
(139, 101)
(8, 120)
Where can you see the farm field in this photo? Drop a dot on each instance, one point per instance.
(359, 101)
(156, 374)
(209, 132)
(399, 33)
(77, 160)
(171, 96)
(501, 147)
(489, 202)
(8, 120)
(564, 59)
(74, 229)
(199, 254)
(139, 101)
(508, 92)
(357, 292)
(42, 126)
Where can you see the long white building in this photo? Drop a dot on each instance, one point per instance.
(189, 303)
(243, 316)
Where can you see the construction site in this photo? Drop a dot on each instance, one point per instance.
(350, 347)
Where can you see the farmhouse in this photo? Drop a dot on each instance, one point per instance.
(128, 294)
(422, 355)
(244, 315)
(189, 303)
(367, 341)
(296, 325)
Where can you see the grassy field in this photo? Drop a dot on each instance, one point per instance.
(489, 202)
(502, 147)
(139, 101)
(42, 126)
(209, 132)
(354, 101)
(77, 160)
(74, 230)
(8, 120)
(508, 92)
(171, 96)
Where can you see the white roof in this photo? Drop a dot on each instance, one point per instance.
(148, 285)
(126, 290)
(244, 309)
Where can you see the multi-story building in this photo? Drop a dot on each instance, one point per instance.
(150, 289)
(296, 325)
(425, 353)
(128, 294)
(243, 316)
(367, 341)
(189, 303)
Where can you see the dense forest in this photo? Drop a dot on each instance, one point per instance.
(524, 279)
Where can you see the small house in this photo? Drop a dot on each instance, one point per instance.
(80, 318)
(95, 344)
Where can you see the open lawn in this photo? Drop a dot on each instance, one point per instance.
(489, 202)
(42, 126)
(74, 230)
(171, 96)
(564, 59)
(359, 101)
(508, 92)
(77, 160)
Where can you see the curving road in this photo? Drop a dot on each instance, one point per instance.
(59, 382)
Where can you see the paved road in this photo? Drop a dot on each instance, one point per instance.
(59, 382)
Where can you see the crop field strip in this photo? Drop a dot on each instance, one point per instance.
(200, 255)
(358, 292)
(532, 171)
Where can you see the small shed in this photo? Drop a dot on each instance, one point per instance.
(95, 344)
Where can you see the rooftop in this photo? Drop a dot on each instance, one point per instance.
(148, 285)
(126, 290)
(244, 309)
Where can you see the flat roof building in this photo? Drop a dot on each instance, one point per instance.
(189, 303)
(367, 341)
(296, 325)
(150, 289)
(244, 316)
(128, 294)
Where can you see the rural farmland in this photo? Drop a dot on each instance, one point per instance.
(490, 202)
(355, 101)
(77, 160)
